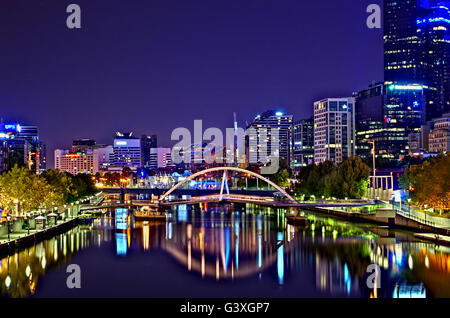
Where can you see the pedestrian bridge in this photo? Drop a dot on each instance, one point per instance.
(224, 184)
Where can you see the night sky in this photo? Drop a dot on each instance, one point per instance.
(151, 66)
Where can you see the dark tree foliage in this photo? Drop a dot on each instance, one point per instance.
(348, 180)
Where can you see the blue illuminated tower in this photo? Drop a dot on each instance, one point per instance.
(417, 49)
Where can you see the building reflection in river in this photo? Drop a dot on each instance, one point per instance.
(226, 243)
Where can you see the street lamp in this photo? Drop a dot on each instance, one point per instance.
(8, 218)
(425, 211)
(409, 207)
(16, 202)
(373, 168)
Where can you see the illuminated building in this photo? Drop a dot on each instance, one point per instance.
(418, 140)
(105, 157)
(369, 119)
(160, 158)
(31, 135)
(18, 146)
(404, 113)
(81, 145)
(42, 157)
(301, 138)
(417, 49)
(7, 133)
(147, 143)
(75, 163)
(389, 115)
(439, 136)
(334, 129)
(263, 126)
(127, 151)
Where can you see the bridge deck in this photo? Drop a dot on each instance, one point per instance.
(245, 199)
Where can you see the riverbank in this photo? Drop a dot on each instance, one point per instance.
(29, 239)
(438, 239)
(399, 221)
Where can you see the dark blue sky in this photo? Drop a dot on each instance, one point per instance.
(151, 66)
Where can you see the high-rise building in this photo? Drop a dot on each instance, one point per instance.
(42, 156)
(418, 140)
(147, 143)
(417, 49)
(3, 155)
(75, 163)
(369, 119)
(404, 113)
(14, 150)
(388, 115)
(262, 136)
(127, 151)
(81, 145)
(439, 136)
(301, 137)
(160, 158)
(105, 157)
(31, 135)
(334, 132)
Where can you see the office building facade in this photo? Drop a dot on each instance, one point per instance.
(439, 136)
(369, 119)
(262, 139)
(127, 151)
(76, 163)
(417, 49)
(148, 142)
(160, 158)
(31, 135)
(334, 129)
(301, 138)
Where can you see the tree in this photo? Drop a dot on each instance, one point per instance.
(429, 183)
(61, 183)
(19, 188)
(281, 177)
(312, 178)
(349, 180)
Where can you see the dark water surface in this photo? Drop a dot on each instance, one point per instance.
(219, 251)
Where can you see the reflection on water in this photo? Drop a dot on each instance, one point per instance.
(238, 244)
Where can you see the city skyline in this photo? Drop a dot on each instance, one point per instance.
(267, 56)
(277, 150)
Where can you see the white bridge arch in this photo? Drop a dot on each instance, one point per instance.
(225, 169)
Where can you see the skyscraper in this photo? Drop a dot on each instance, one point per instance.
(147, 143)
(31, 135)
(417, 49)
(369, 119)
(127, 151)
(262, 127)
(42, 156)
(334, 132)
(301, 138)
(388, 115)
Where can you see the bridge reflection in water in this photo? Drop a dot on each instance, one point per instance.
(222, 243)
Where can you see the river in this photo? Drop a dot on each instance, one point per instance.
(229, 251)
